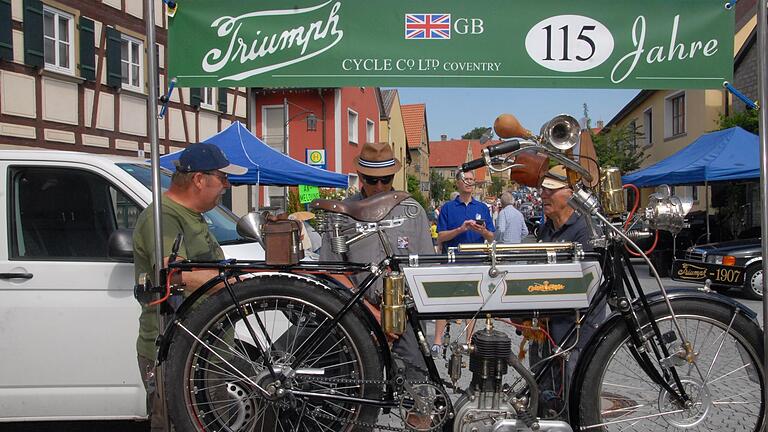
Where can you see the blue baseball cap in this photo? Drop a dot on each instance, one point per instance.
(206, 157)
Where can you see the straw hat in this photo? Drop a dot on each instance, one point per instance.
(377, 160)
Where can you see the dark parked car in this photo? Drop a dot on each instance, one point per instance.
(726, 264)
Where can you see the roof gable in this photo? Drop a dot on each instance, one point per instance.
(448, 153)
(415, 121)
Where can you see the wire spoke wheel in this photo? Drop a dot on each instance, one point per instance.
(218, 379)
(724, 383)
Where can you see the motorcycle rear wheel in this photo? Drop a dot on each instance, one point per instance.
(726, 387)
(210, 377)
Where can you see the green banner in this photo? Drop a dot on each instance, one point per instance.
(649, 44)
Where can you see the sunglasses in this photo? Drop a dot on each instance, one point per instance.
(375, 180)
(220, 175)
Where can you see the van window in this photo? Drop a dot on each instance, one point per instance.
(221, 222)
(64, 214)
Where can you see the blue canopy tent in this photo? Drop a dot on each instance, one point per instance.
(266, 166)
(730, 154)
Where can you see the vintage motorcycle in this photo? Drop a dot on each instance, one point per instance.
(286, 347)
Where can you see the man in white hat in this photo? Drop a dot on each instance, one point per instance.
(563, 223)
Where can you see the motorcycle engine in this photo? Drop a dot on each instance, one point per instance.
(485, 404)
(489, 405)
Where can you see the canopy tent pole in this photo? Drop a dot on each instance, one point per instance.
(706, 211)
(762, 71)
(149, 7)
(250, 123)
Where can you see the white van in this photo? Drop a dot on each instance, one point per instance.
(68, 319)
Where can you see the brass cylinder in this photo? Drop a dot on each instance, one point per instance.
(393, 304)
(612, 192)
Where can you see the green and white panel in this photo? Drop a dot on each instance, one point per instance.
(445, 289)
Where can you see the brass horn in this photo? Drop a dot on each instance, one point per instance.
(562, 132)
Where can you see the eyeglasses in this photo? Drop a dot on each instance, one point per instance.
(468, 181)
(375, 180)
(218, 174)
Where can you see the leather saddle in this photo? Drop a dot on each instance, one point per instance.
(371, 209)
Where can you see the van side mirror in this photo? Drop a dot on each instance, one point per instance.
(120, 246)
(250, 226)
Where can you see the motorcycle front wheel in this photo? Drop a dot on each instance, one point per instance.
(725, 382)
(214, 369)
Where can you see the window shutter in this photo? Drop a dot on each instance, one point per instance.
(33, 33)
(87, 49)
(195, 97)
(114, 70)
(223, 99)
(6, 35)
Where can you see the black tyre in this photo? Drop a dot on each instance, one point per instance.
(753, 282)
(725, 383)
(211, 378)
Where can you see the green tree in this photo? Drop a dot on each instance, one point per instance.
(440, 188)
(497, 186)
(475, 133)
(415, 191)
(620, 147)
(748, 120)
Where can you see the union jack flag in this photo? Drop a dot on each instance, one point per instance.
(427, 26)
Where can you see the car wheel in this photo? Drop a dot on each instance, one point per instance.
(753, 283)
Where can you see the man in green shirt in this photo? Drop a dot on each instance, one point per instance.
(197, 186)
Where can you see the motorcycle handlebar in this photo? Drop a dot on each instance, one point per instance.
(494, 150)
(473, 165)
(504, 147)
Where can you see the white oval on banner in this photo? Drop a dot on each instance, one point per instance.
(569, 43)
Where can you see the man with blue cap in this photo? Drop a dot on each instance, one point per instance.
(200, 180)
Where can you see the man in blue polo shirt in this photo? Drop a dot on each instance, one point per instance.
(465, 219)
(462, 220)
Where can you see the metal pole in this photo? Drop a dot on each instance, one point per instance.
(149, 8)
(285, 146)
(762, 72)
(250, 115)
(706, 199)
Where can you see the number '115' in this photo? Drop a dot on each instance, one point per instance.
(581, 37)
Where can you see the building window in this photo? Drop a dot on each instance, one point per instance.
(274, 129)
(352, 126)
(208, 98)
(648, 126)
(58, 40)
(674, 115)
(369, 131)
(633, 134)
(131, 63)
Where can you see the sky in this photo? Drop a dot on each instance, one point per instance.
(456, 111)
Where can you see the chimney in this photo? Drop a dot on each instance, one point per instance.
(443, 137)
(600, 124)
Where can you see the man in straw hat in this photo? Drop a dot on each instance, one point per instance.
(376, 166)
